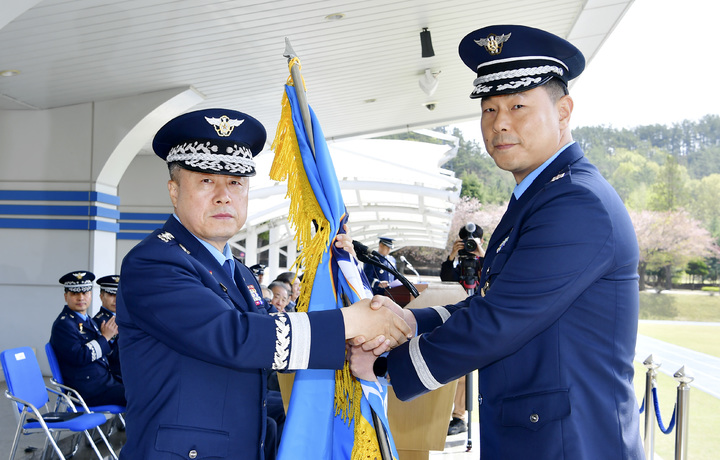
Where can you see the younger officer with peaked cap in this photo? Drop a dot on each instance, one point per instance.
(108, 293)
(378, 277)
(82, 348)
(552, 330)
(197, 338)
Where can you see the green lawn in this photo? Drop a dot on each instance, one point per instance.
(680, 307)
(703, 442)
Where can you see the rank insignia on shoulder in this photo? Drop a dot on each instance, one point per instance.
(166, 236)
(559, 176)
(183, 248)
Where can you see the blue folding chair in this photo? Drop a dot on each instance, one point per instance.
(59, 383)
(26, 387)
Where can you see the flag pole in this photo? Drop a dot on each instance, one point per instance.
(299, 85)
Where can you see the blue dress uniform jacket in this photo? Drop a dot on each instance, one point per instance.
(376, 274)
(81, 349)
(196, 351)
(553, 330)
(113, 357)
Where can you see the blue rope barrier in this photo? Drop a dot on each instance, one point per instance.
(659, 418)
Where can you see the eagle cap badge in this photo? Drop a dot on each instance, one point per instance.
(224, 125)
(493, 44)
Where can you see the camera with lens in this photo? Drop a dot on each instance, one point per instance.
(468, 265)
(467, 234)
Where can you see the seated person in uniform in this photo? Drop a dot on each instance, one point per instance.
(108, 292)
(259, 271)
(82, 348)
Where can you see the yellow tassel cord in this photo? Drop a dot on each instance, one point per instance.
(348, 394)
(304, 214)
(304, 208)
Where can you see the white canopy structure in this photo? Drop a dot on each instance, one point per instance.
(391, 188)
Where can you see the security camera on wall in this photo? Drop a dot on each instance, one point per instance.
(430, 105)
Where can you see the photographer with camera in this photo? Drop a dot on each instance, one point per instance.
(468, 249)
(471, 255)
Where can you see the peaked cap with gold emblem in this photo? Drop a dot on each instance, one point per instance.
(215, 141)
(109, 283)
(511, 58)
(78, 281)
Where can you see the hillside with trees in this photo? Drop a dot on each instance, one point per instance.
(667, 176)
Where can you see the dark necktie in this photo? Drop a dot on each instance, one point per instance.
(513, 202)
(228, 269)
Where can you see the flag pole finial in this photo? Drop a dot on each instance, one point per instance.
(300, 92)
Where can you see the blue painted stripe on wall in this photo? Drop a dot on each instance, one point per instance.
(105, 198)
(99, 211)
(49, 224)
(58, 195)
(53, 210)
(104, 226)
(139, 226)
(60, 224)
(144, 216)
(131, 236)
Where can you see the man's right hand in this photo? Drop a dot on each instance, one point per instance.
(109, 328)
(363, 322)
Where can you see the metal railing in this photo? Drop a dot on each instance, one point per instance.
(680, 416)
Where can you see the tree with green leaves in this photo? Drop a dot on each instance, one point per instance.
(697, 268)
(669, 192)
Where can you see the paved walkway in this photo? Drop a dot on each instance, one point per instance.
(705, 368)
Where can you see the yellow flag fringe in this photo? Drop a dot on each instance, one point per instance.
(313, 237)
(304, 209)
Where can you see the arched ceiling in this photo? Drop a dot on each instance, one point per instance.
(390, 188)
(362, 72)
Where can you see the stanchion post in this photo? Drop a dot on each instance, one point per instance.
(649, 435)
(682, 414)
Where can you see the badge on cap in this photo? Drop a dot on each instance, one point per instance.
(532, 58)
(224, 125)
(493, 43)
(212, 141)
(77, 281)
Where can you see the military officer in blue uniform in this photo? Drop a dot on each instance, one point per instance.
(197, 339)
(82, 347)
(108, 293)
(553, 327)
(378, 277)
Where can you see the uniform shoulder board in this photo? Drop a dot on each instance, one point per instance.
(559, 176)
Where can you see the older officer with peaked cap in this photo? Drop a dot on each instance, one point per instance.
(81, 347)
(197, 338)
(108, 297)
(379, 277)
(552, 330)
